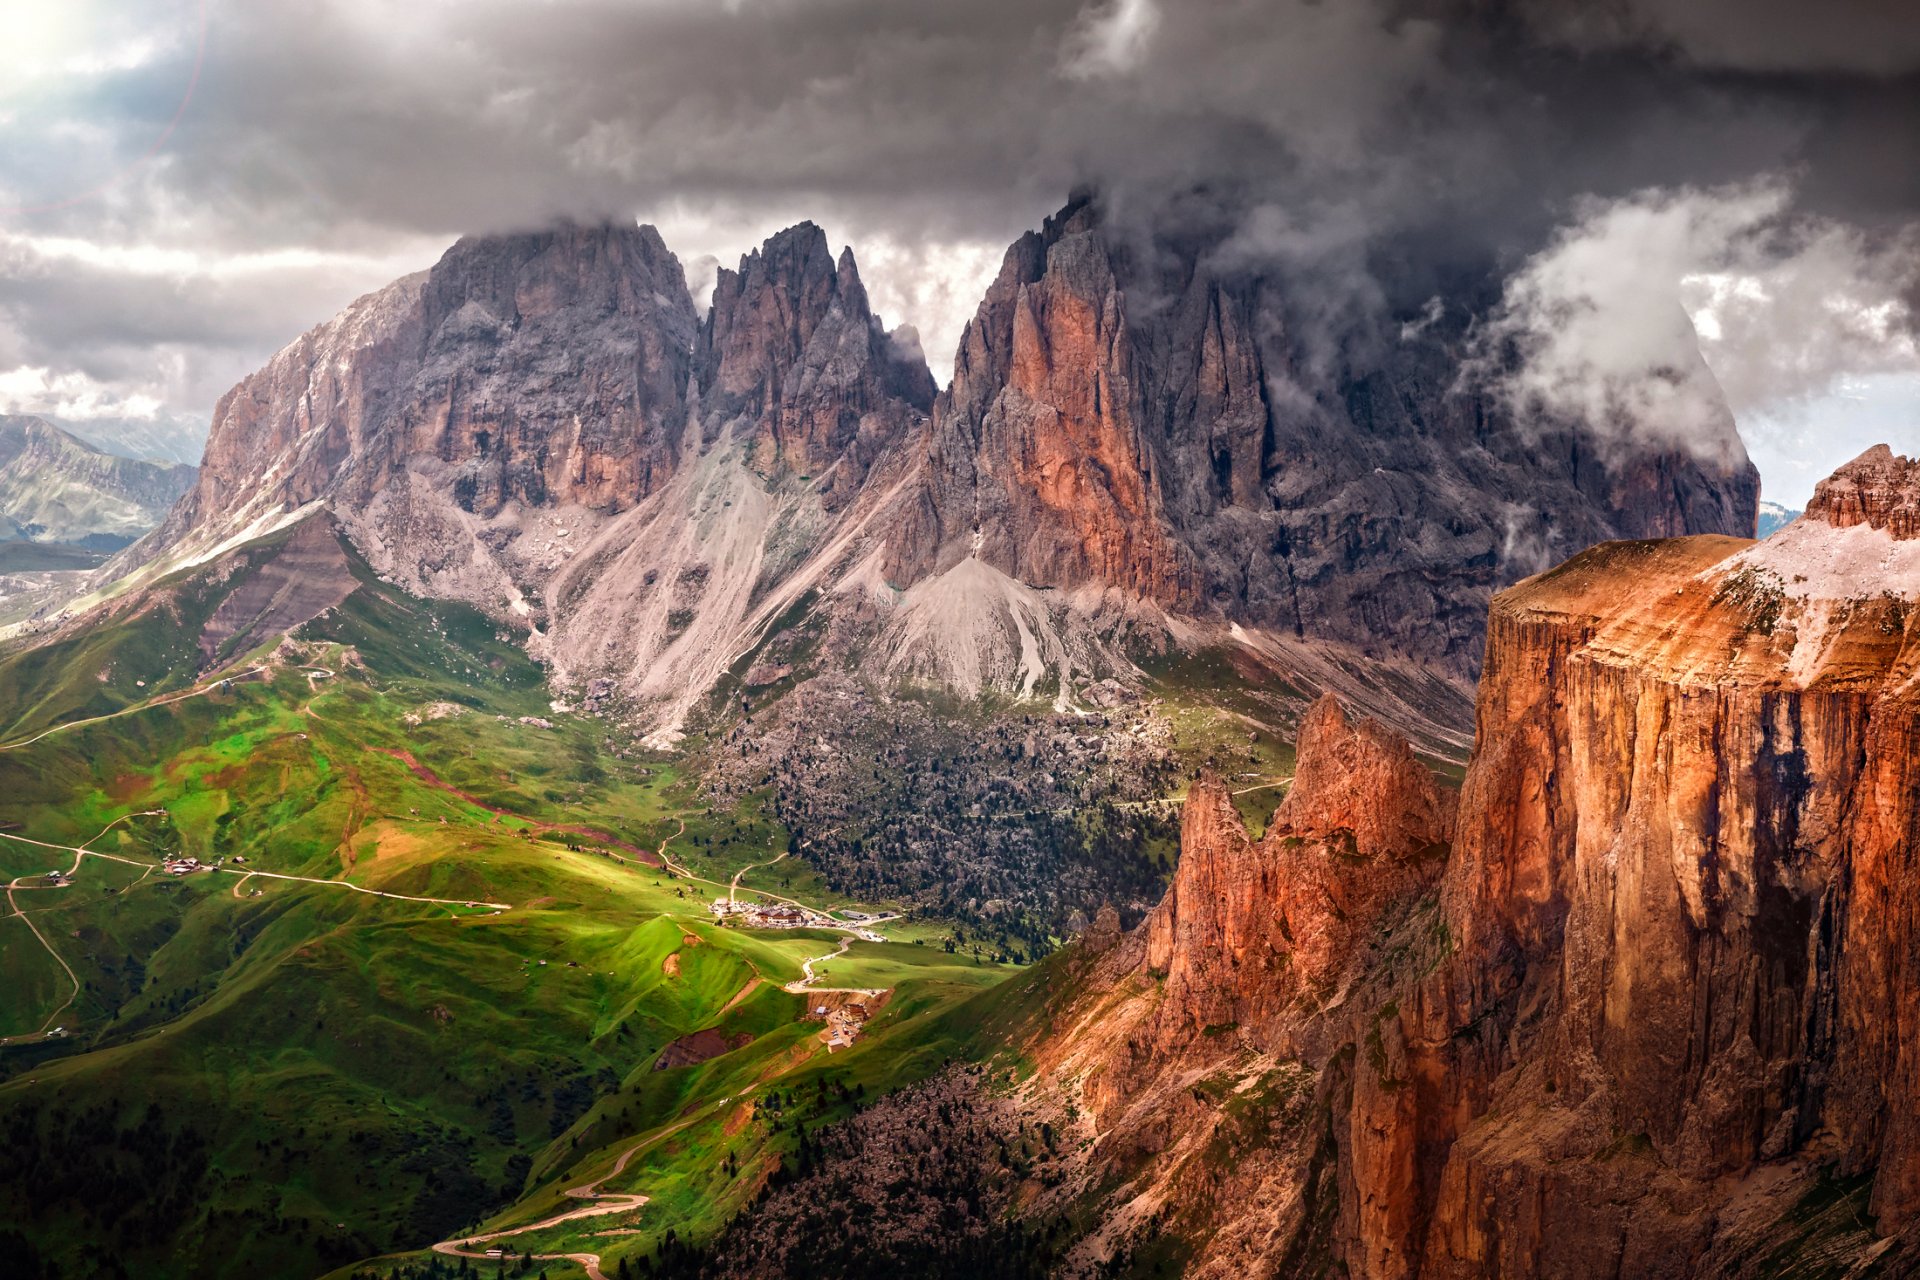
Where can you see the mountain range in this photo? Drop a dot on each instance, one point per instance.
(598, 785)
(164, 437)
(57, 489)
(1138, 452)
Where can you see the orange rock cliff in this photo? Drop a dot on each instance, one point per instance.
(1637, 1010)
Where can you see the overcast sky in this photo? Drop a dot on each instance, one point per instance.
(186, 185)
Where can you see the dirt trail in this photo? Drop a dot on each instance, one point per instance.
(433, 779)
(734, 887)
(804, 985)
(165, 700)
(79, 852)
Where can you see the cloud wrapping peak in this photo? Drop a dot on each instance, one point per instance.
(1370, 153)
(1784, 307)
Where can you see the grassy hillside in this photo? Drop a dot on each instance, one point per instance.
(267, 1069)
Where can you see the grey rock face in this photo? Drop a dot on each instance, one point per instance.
(1149, 419)
(792, 344)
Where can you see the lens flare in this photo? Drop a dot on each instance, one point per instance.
(64, 67)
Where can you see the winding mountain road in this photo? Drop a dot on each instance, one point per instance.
(80, 852)
(603, 1203)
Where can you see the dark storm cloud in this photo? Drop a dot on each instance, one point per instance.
(1873, 37)
(1375, 151)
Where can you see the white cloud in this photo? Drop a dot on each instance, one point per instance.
(1650, 316)
(933, 283)
(70, 394)
(1110, 39)
(935, 286)
(1799, 443)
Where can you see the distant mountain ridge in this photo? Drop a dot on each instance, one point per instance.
(1774, 517)
(161, 438)
(57, 489)
(542, 426)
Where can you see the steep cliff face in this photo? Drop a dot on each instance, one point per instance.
(1248, 926)
(1644, 1007)
(1158, 419)
(1040, 465)
(1210, 1049)
(1679, 896)
(522, 373)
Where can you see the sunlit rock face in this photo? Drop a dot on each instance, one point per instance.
(1630, 1011)
(1249, 925)
(1681, 894)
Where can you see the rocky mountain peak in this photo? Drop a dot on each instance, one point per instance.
(583, 268)
(1247, 924)
(792, 343)
(1142, 406)
(1880, 489)
(766, 312)
(1360, 777)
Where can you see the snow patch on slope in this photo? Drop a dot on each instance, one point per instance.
(1815, 561)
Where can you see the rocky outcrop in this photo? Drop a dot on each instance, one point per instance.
(1210, 1048)
(1040, 464)
(56, 488)
(274, 586)
(1878, 489)
(792, 344)
(1250, 926)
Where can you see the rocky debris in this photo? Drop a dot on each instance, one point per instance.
(598, 696)
(699, 1046)
(536, 722)
(280, 585)
(762, 674)
(1109, 694)
(433, 711)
